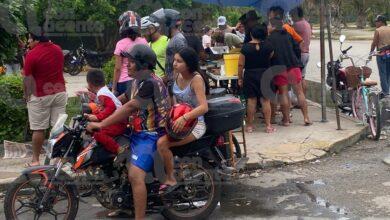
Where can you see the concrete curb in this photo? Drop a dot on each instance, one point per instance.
(313, 94)
(336, 147)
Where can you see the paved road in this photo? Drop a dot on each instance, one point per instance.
(359, 49)
(351, 185)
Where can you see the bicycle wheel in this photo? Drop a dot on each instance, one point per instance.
(357, 104)
(374, 117)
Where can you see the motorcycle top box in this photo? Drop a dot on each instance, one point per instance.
(225, 114)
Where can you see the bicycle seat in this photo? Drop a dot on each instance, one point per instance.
(370, 82)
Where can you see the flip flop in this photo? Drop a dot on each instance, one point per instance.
(308, 123)
(285, 124)
(167, 189)
(250, 129)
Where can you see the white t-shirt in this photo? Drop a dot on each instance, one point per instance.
(106, 92)
(206, 40)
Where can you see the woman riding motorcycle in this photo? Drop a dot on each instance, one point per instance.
(189, 87)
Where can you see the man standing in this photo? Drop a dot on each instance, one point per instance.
(223, 26)
(381, 42)
(170, 19)
(157, 41)
(249, 20)
(303, 28)
(44, 88)
(222, 38)
(278, 12)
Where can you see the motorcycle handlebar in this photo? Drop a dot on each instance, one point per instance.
(346, 50)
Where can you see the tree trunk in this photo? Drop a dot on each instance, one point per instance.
(361, 21)
(337, 15)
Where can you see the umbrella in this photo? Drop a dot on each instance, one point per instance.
(262, 5)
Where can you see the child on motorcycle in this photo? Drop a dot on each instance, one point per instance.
(107, 105)
(189, 87)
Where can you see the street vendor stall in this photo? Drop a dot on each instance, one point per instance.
(222, 68)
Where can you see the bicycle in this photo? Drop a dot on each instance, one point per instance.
(364, 99)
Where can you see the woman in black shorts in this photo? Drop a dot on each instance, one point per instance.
(255, 58)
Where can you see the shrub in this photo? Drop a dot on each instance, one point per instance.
(73, 108)
(14, 124)
(108, 69)
(13, 117)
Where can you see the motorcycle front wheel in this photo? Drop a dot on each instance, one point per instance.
(198, 194)
(23, 198)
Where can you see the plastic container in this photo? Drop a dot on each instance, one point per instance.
(225, 114)
(231, 64)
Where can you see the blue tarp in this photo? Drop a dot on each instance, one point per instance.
(260, 5)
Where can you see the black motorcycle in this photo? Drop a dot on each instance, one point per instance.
(77, 59)
(45, 191)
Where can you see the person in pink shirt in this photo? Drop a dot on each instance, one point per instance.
(130, 24)
(303, 28)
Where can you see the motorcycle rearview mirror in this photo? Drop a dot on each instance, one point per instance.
(319, 64)
(342, 38)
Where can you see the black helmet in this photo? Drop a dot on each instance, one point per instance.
(381, 18)
(128, 22)
(167, 18)
(143, 56)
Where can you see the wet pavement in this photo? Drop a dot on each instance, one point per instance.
(353, 184)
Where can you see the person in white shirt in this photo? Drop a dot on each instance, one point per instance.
(206, 38)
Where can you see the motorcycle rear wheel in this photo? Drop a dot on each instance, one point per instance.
(74, 70)
(210, 179)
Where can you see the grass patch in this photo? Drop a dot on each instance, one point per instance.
(73, 108)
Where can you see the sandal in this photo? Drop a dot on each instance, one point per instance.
(308, 123)
(285, 124)
(167, 189)
(250, 129)
(270, 130)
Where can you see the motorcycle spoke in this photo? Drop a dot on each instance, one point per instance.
(56, 214)
(37, 216)
(29, 209)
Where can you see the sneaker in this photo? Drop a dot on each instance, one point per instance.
(383, 96)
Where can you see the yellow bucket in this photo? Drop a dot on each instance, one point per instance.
(231, 64)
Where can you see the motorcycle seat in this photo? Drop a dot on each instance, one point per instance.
(122, 140)
(204, 142)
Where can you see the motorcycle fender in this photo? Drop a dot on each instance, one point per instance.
(38, 169)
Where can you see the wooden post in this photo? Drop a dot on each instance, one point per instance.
(323, 79)
(328, 22)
